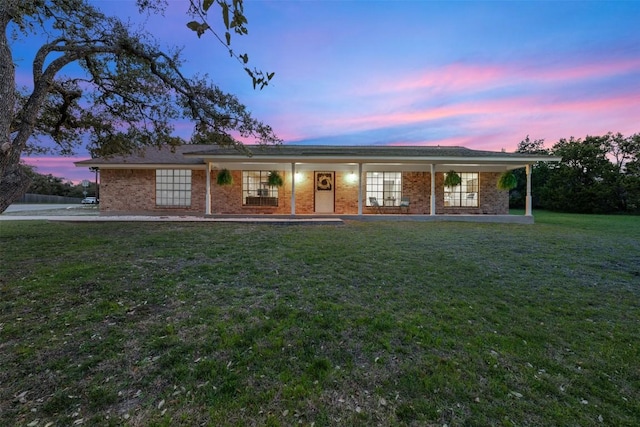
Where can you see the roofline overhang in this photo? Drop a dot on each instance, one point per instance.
(99, 165)
(236, 162)
(524, 160)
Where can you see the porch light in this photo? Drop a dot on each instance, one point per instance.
(351, 177)
(299, 177)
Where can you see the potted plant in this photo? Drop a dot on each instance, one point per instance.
(224, 177)
(452, 179)
(507, 181)
(275, 180)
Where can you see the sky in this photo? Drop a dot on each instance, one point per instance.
(478, 74)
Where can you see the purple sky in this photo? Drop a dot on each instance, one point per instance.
(480, 74)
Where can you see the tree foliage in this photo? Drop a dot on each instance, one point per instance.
(55, 186)
(234, 21)
(127, 93)
(597, 174)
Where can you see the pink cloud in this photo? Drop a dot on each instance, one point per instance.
(450, 78)
(459, 77)
(501, 123)
(586, 70)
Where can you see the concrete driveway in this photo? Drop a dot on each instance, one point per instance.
(31, 207)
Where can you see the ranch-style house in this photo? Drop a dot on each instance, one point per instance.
(315, 180)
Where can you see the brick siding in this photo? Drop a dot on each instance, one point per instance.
(124, 190)
(134, 190)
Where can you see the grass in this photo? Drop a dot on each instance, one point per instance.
(160, 324)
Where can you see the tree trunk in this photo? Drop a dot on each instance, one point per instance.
(13, 179)
(13, 185)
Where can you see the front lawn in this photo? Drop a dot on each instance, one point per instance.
(368, 323)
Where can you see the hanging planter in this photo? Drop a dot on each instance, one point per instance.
(452, 179)
(275, 180)
(224, 177)
(507, 181)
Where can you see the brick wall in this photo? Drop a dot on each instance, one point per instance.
(127, 190)
(417, 185)
(346, 193)
(134, 191)
(304, 192)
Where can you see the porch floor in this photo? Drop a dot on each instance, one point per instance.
(266, 219)
(319, 218)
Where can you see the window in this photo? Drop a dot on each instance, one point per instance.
(384, 186)
(256, 191)
(173, 187)
(465, 194)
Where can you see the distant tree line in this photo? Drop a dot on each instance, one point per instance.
(597, 174)
(55, 186)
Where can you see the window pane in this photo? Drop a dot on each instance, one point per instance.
(386, 187)
(256, 191)
(173, 187)
(466, 193)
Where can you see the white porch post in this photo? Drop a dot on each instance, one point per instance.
(528, 200)
(293, 188)
(432, 208)
(359, 188)
(207, 198)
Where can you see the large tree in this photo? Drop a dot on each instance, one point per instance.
(600, 174)
(101, 84)
(596, 175)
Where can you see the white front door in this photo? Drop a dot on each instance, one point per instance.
(324, 192)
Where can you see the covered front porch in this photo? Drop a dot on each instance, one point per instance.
(384, 188)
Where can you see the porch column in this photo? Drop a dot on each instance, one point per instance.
(207, 197)
(359, 188)
(293, 188)
(432, 208)
(528, 199)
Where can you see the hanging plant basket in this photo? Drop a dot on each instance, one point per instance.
(224, 177)
(275, 180)
(507, 181)
(452, 179)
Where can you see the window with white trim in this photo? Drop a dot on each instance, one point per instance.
(256, 190)
(173, 187)
(386, 187)
(464, 194)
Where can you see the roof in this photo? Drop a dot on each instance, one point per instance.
(349, 151)
(196, 156)
(165, 155)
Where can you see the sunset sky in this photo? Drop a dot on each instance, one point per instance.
(479, 74)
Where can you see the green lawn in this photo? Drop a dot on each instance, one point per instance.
(367, 323)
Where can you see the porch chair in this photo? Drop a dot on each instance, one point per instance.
(405, 202)
(373, 201)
